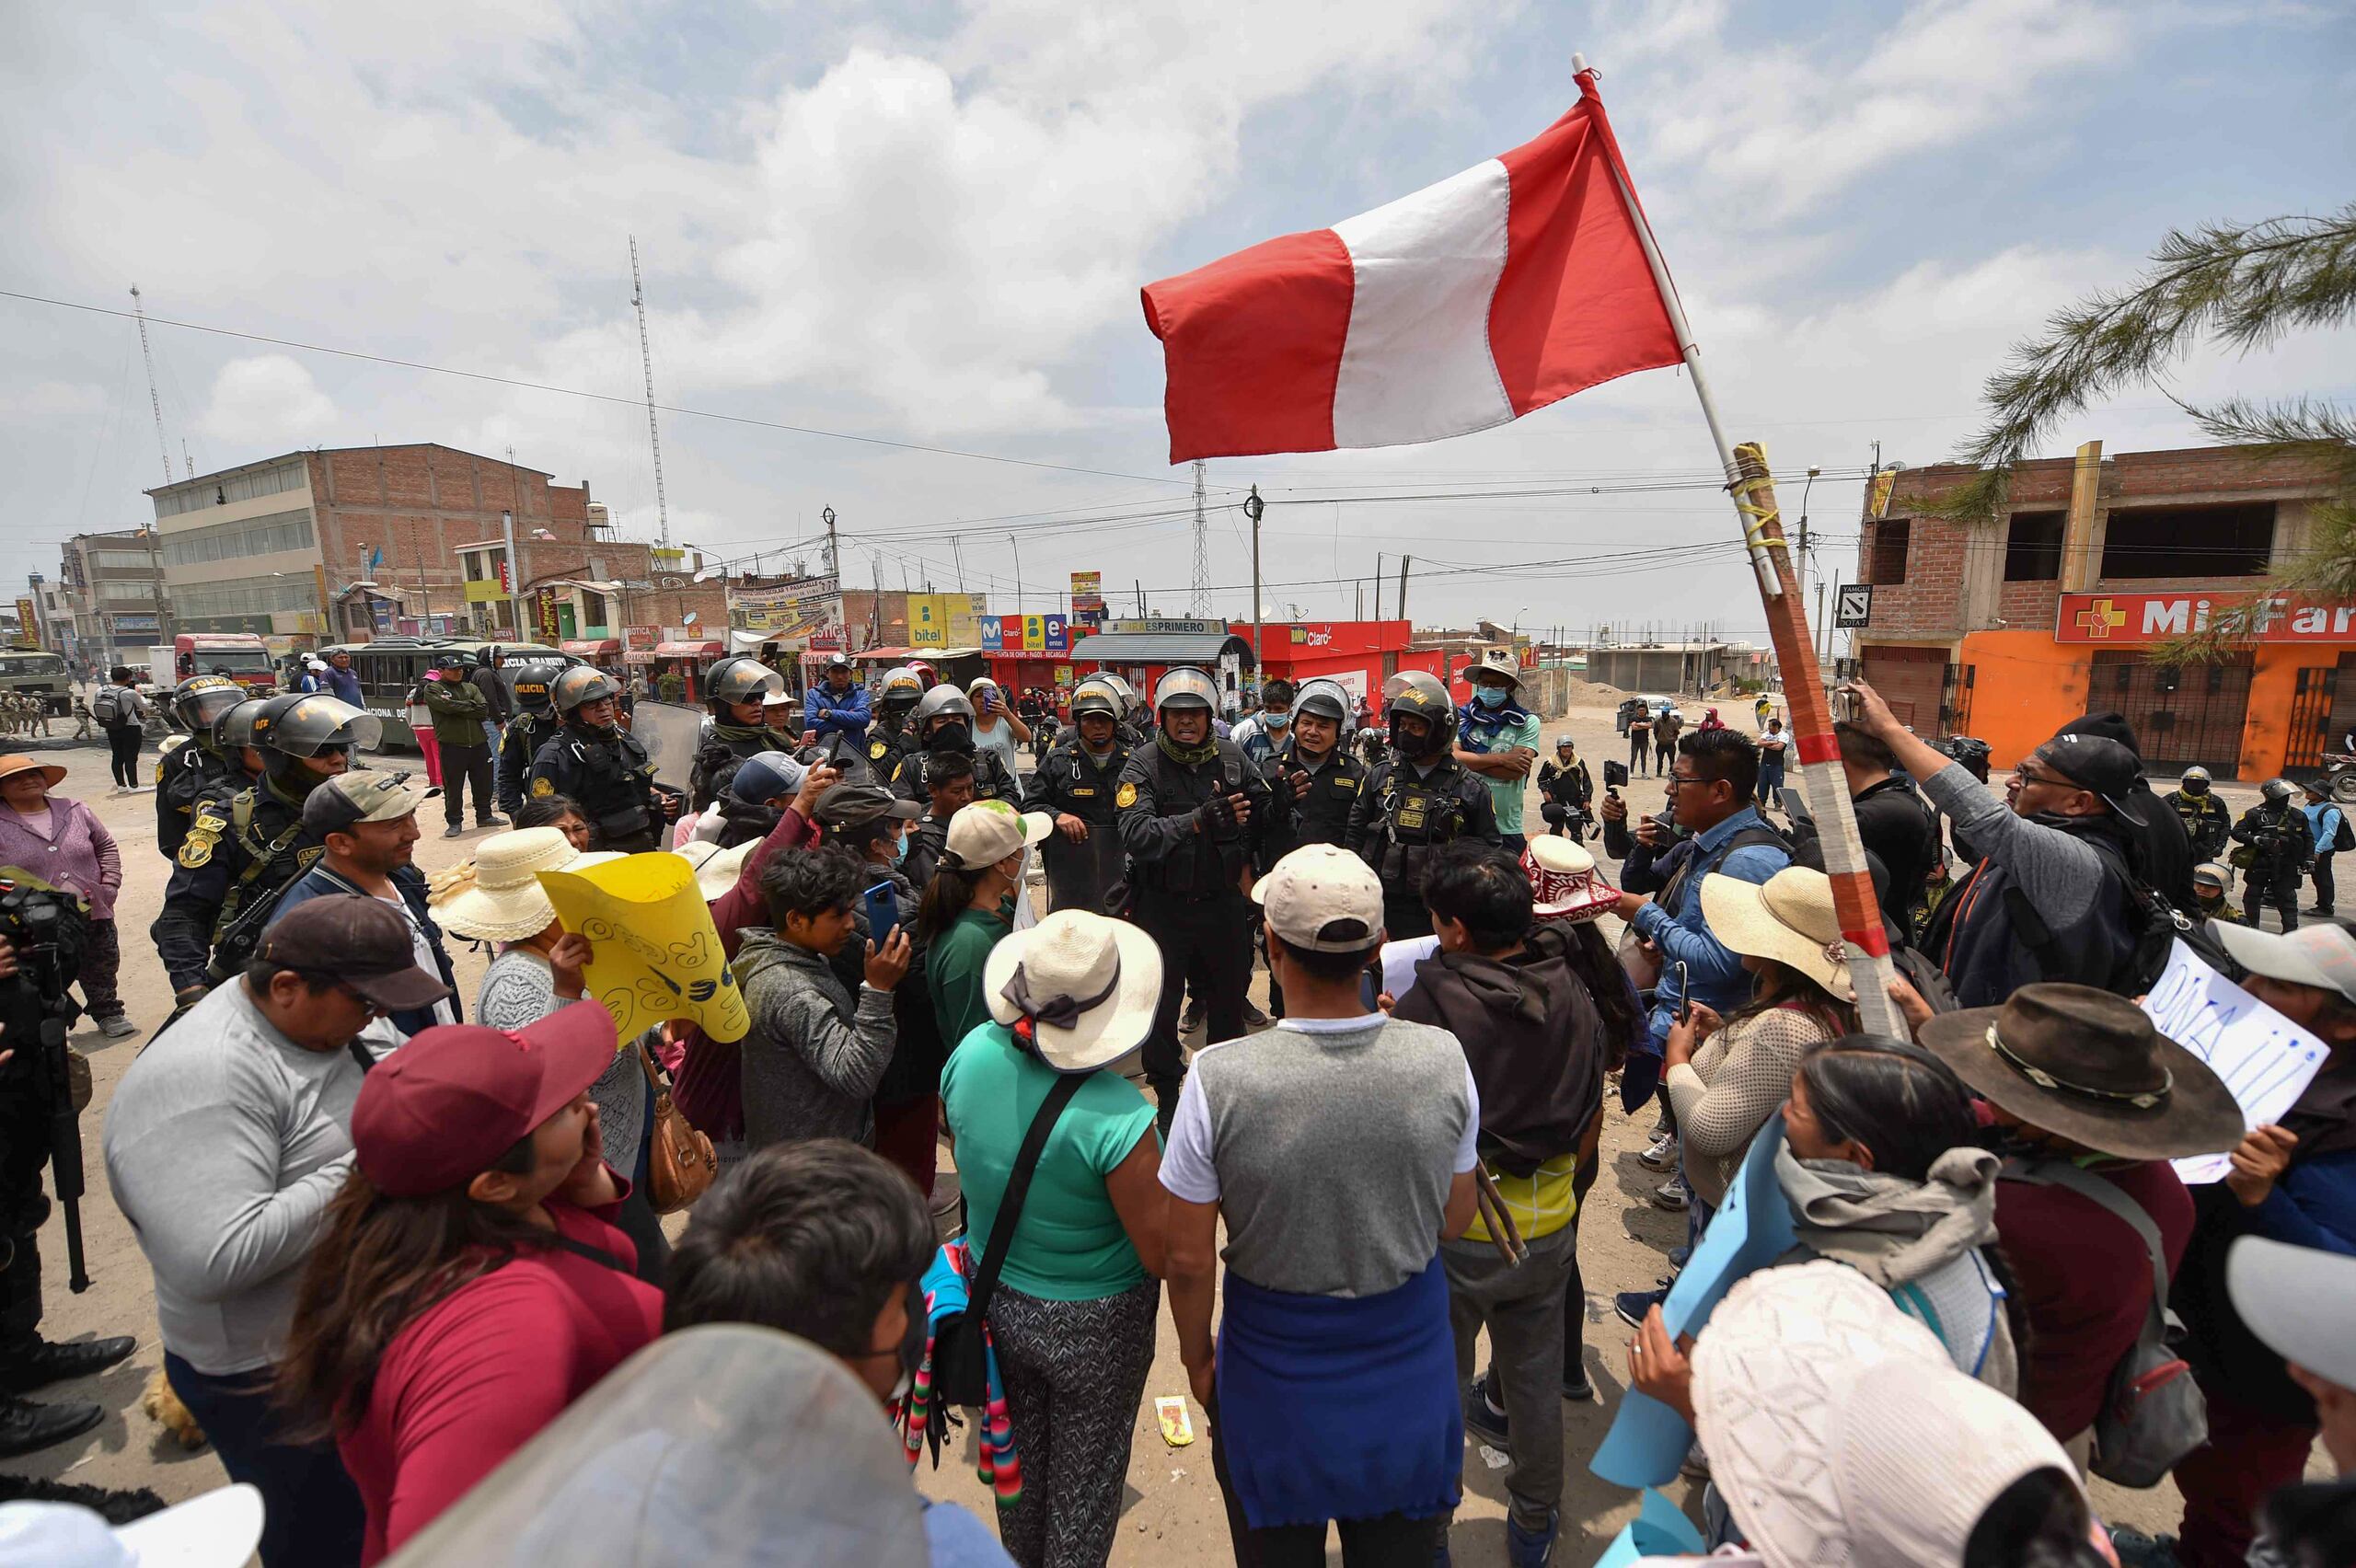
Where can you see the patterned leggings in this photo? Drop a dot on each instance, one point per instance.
(1075, 1372)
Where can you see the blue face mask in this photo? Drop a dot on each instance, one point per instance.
(900, 848)
(1491, 697)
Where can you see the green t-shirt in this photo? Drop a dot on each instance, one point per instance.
(953, 971)
(1506, 794)
(1068, 1245)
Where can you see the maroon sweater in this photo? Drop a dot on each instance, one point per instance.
(2084, 1280)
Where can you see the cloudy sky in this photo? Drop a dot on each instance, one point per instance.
(926, 224)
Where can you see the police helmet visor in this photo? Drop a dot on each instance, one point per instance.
(943, 701)
(578, 686)
(1094, 699)
(202, 700)
(315, 724)
(740, 679)
(1322, 702)
(1185, 688)
(531, 692)
(234, 731)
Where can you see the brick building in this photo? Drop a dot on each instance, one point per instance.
(2007, 630)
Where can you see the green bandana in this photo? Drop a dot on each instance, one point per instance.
(1186, 756)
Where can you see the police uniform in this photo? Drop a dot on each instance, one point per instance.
(992, 781)
(185, 775)
(1323, 815)
(1402, 816)
(610, 774)
(519, 742)
(722, 749)
(1070, 778)
(242, 850)
(1183, 884)
(888, 744)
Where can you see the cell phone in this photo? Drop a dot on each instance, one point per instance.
(1615, 774)
(882, 912)
(1684, 993)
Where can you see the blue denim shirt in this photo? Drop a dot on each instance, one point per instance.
(1715, 970)
(2322, 821)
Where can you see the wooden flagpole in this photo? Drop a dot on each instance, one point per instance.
(1825, 786)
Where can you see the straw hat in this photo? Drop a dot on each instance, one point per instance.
(1788, 917)
(716, 868)
(11, 765)
(1564, 885)
(1082, 985)
(503, 901)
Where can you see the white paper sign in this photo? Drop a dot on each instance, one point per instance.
(2264, 1058)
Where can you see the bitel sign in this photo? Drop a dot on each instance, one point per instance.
(2153, 617)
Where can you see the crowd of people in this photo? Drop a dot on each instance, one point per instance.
(397, 1233)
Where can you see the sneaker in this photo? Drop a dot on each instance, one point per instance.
(1673, 1194)
(116, 1026)
(1254, 1018)
(1660, 1154)
(1532, 1549)
(1632, 1304)
(1484, 1419)
(2137, 1549)
(492, 822)
(1680, 1256)
(1192, 1018)
(454, 831)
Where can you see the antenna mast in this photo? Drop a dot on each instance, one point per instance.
(653, 436)
(1199, 602)
(155, 403)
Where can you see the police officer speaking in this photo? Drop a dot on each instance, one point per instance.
(1417, 800)
(943, 721)
(533, 720)
(1076, 780)
(734, 691)
(1325, 779)
(243, 850)
(1194, 815)
(602, 766)
(195, 768)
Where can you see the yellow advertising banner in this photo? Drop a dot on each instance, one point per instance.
(484, 590)
(929, 621)
(1034, 634)
(1883, 483)
(965, 612)
(28, 624)
(657, 955)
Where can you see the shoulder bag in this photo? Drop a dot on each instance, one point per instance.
(959, 1353)
(679, 1162)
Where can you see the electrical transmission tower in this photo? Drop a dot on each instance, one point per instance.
(155, 404)
(653, 435)
(1200, 603)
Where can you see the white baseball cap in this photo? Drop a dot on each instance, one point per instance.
(1321, 898)
(986, 832)
(2297, 1301)
(2320, 953)
(218, 1529)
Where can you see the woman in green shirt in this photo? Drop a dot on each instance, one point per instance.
(968, 906)
(1073, 1320)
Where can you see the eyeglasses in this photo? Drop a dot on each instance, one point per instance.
(1679, 780)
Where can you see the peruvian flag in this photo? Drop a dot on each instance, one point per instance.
(1466, 305)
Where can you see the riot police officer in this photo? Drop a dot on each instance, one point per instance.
(1325, 779)
(1417, 800)
(604, 766)
(734, 691)
(196, 766)
(1126, 726)
(2280, 846)
(244, 849)
(1194, 817)
(889, 740)
(532, 720)
(943, 721)
(1075, 780)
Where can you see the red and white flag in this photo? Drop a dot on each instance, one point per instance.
(1462, 306)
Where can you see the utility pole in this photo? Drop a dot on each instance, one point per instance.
(514, 574)
(1378, 584)
(1253, 507)
(653, 436)
(1015, 544)
(960, 554)
(1199, 602)
(1402, 586)
(834, 570)
(155, 404)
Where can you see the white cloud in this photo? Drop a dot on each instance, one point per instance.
(269, 399)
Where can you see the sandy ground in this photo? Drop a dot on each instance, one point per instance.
(1172, 1511)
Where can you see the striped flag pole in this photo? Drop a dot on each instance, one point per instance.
(1825, 786)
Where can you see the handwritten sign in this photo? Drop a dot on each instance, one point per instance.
(657, 955)
(1649, 1440)
(2266, 1060)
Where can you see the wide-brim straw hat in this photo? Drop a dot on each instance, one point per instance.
(716, 868)
(2091, 1068)
(1789, 918)
(499, 897)
(1089, 983)
(12, 765)
(1563, 883)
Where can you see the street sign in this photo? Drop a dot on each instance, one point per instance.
(1854, 605)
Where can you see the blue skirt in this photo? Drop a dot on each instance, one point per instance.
(1334, 1408)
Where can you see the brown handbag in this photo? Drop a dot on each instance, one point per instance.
(679, 1160)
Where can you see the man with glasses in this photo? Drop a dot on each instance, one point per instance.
(227, 1141)
(2049, 900)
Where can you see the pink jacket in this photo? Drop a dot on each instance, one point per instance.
(69, 848)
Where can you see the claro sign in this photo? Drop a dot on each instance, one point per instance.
(2129, 618)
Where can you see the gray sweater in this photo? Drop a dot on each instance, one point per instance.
(225, 1143)
(814, 1057)
(2060, 872)
(519, 988)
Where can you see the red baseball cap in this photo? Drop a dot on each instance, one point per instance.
(441, 1109)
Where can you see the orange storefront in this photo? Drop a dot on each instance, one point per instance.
(2271, 707)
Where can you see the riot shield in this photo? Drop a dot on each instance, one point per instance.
(670, 732)
(1079, 875)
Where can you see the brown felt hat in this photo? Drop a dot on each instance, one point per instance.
(2089, 1066)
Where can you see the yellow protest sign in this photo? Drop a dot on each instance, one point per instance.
(657, 955)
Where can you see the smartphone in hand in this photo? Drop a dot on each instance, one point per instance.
(1685, 992)
(882, 913)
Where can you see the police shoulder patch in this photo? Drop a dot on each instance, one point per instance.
(1126, 796)
(196, 849)
(543, 786)
(875, 750)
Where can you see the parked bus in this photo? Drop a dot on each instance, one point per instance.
(390, 667)
(42, 674)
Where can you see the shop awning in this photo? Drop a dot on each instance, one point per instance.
(591, 647)
(893, 655)
(1202, 647)
(690, 649)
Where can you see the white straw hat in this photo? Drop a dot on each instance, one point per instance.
(1839, 1431)
(988, 831)
(1789, 917)
(1087, 984)
(716, 868)
(498, 898)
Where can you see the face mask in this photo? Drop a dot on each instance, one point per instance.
(950, 738)
(1490, 697)
(900, 848)
(1277, 721)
